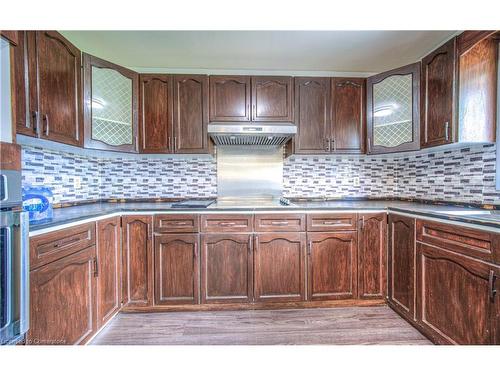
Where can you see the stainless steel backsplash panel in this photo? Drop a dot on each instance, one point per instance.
(249, 172)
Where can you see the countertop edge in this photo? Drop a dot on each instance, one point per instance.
(42, 228)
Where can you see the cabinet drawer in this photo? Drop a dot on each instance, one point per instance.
(51, 246)
(226, 223)
(331, 222)
(280, 222)
(176, 223)
(473, 242)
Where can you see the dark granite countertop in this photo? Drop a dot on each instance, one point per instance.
(450, 212)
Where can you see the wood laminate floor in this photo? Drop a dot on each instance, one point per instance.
(330, 326)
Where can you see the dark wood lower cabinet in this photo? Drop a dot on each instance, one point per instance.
(63, 300)
(401, 264)
(176, 265)
(332, 265)
(372, 255)
(226, 268)
(108, 269)
(137, 251)
(456, 302)
(279, 267)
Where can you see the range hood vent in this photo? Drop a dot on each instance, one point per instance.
(251, 134)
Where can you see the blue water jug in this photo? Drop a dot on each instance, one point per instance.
(38, 200)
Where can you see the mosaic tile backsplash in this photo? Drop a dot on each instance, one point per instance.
(74, 177)
(462, 174)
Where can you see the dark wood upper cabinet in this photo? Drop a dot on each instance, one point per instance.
(176, 265)
(137, 260)
(456, 302)
(272, 99)
(332, 265)
(226, 268)
(393, 110)
(111, 105)
(230, 98)
(372, 256)
(477, 86)
(155, 113)
(63, 300)
(55, 80)
(401, 263)
(279, 267)
(438, 95)
(190, 114)
(19, 70)
(108, 269)
(348, 115)
(312, 115)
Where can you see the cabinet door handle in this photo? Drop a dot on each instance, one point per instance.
(309, 248)
(333, 144)
(256, 243)
(96, 268)
(491, 285)
(250, 245)
(34, 117)
(175, 143)
(195, 250)
(169, 145)
(446, 130)
(46, 124)
(327, 145)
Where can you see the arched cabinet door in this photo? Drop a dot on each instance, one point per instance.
(110, 105)
(272, 99)
(230, 98)
(155, 113)
(348, 115)
(312, 115)
(176, 265)
(279, 267)
(190, 114)
(456, 297)
(57, 63)
(332, 265)
(226, 268)
(438, 95)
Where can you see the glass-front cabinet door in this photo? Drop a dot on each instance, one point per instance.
(111, 114)
(393, 100)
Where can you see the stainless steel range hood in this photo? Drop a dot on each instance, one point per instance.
(251, 133)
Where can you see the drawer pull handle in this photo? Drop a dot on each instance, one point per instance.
(67, 242)
(180, 223)
(279, 223)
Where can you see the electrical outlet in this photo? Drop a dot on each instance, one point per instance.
(78, 182)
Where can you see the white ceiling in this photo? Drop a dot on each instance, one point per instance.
(292, 52)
